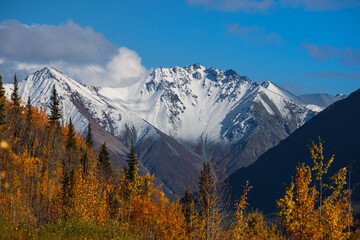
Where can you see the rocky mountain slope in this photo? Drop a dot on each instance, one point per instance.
(338, 126)
(178, 117)
(216, 114)
(114, 126)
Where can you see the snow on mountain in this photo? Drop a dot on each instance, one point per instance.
(179, 117)
(39, 86)
(186, 103)
(195, 103)
(321, 99)
(282, 92)
(207, 108)
(83, 104)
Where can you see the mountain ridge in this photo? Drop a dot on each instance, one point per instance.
(337, 126)
(321, 99)
(191, 114)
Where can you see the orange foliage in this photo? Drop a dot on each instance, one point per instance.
(155, 220)
(89, 198)
(34, 163)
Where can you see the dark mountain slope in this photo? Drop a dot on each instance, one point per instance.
(338, 126)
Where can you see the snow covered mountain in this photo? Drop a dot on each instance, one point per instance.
(112, 125)
(178, 117)
(214, 113)
(321, 99)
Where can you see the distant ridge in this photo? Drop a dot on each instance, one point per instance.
(338, 126)
(321, 99)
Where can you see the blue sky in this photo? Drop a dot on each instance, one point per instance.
(304, 45)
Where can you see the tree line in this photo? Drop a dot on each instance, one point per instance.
(50, 174)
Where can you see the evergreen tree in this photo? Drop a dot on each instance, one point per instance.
(84, 160)
(15, 95)
(103, 165)
(68, 166)
(187, 208)
(206, 192)
(70, 136)
(131, 172)
(67, 186)
(89, 140)
(145, 187)
(29, 112)
(29, 137)
(55, 115)
(211, 202)
(2, 102)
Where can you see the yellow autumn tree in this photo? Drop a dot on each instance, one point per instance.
(149, 213)
(306, 212)
(89, 198)
(35, 157)
(30, 195)
(252, 225)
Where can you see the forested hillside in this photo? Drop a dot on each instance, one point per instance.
(55, 185)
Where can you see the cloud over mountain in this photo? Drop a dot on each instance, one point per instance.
(67, 42)
(80, 51)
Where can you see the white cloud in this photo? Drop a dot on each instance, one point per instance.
(79, 52)
(123, 69)
(67, 42)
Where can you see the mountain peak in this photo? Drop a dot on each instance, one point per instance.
(46, 73)
(266, 84)
(48, 69)
(196, 65)
(340, 96)
(230, 72)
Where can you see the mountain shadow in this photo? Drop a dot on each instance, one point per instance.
(338, 126)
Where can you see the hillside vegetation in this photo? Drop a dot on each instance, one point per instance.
(55, 185)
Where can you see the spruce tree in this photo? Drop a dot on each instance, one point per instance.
(67, 185)
(103, 165)
(131, 172)
(84, 160)
(89, 140)
(69, 165)
(70, 136)
(145, 187)
(29, 138)
(206, 192)
(208, 202)
(15, 95)
(187, 207)
(55, 115)
(2, 102)
(29, 111)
